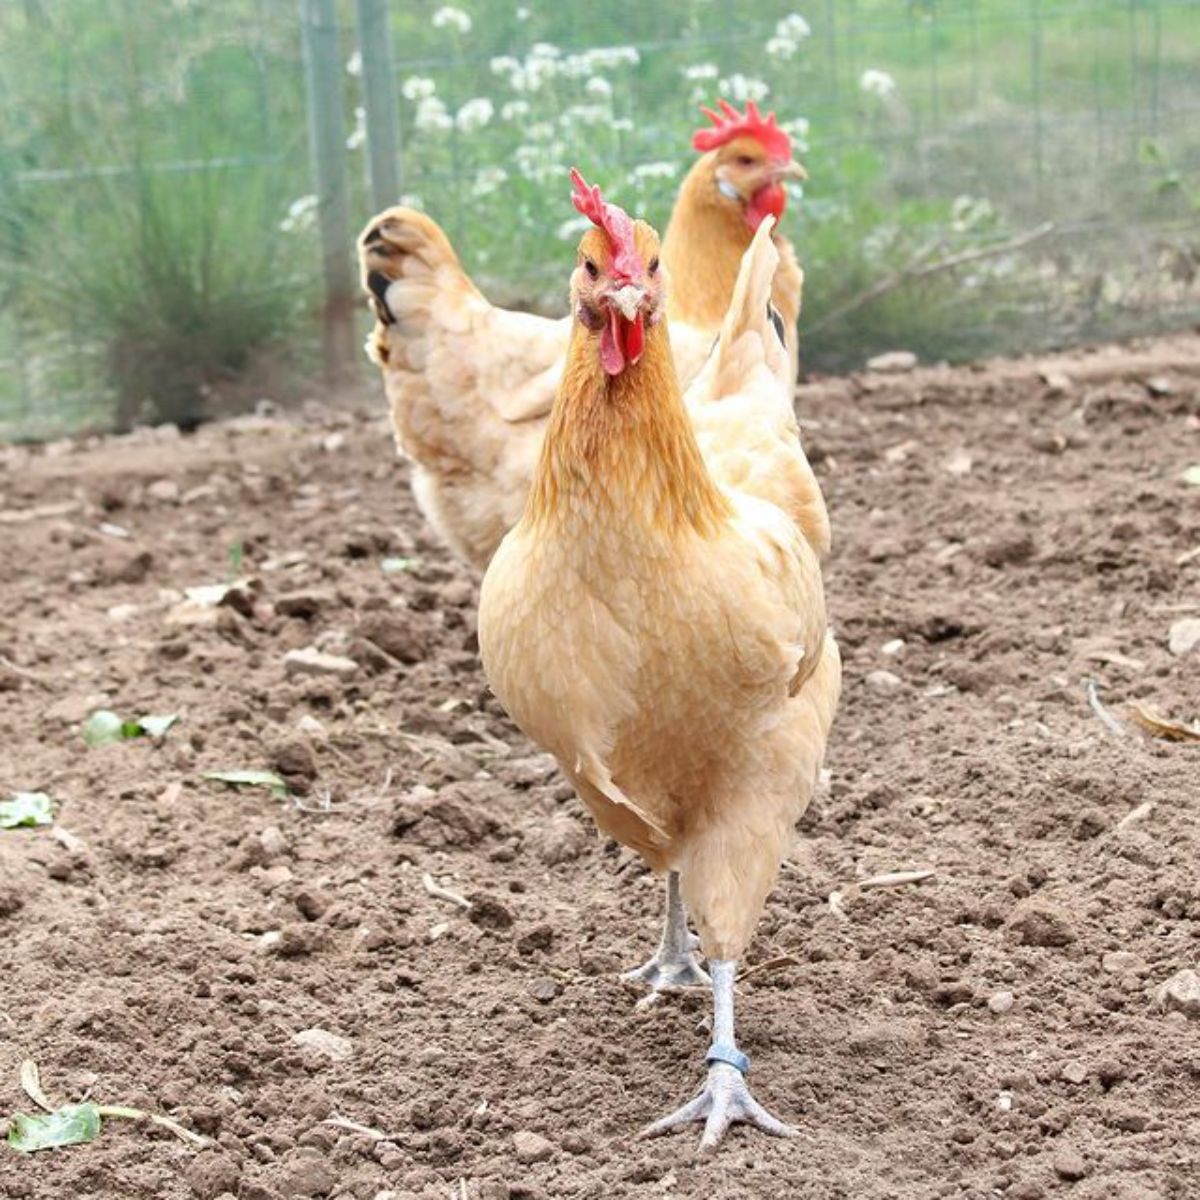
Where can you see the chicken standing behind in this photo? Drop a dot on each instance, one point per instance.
(471, 384)
(656, 619)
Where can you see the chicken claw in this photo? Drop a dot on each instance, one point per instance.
(674, 963)
(724, 1099)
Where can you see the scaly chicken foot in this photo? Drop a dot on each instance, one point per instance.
(674, 963)
(725, 1097)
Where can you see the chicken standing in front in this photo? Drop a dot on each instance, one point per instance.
(656, 619)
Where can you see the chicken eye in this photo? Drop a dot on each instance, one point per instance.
(591, 268)
(744, 160)
(654, 266)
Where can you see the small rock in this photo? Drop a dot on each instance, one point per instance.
(1075, 1073)
(956, 992)
(1000, 1002)
(1057, 382)
(1069, 1164)
(275, 877)
(892, 648)
(532, 1147)
(1130, 1121)
(1160, 385)
(127, 567)
(1181, 993)
(294, 757)
(1037, 922)
(401, 637)
(1009, 550)
(543, 990)
(1121, 962)
(540, 937)
(311, 661)
(305, 1172)
(1184, 636)
(312, 903)
(883, 681)
(296, 941)
(212, 1172)
(332, 1045)
(273, 843)
(310, 727)
(489, 913)
(165, 491)
(304, 605)
(894, 362)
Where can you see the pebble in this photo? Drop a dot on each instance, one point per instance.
(332, 1045)
(305, 605)
(306, 1172)
(531, 1147)
(310, 727)
(1000, 1002)
(893, 362)
(311, 661)
(273, 843)
(1075, 1073)
(1057, 382)
(543, 990)
(1181, 993)
(540, 937)
(165, 491)
(883, 681)
(893, 647)
(1069, 1164)
(1184, 636)
(1038, 923)
(1122, 962)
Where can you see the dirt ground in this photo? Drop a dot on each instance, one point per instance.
(992, 1031)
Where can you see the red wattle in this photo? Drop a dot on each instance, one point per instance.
(635, 338)
(769, 200)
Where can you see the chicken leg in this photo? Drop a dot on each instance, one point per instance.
(674, 963)
(725, 1097)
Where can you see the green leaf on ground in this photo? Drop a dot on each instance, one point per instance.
(66, 1126)
(267, 779)
(155, 727)
(103, 727)
(26, 809)
(392, 565)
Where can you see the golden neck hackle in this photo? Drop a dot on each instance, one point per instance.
(624, 443)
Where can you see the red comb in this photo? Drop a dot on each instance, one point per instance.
(730, 123)
(615, 222)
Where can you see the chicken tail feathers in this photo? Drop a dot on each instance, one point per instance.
(405, 262)
(752, 332)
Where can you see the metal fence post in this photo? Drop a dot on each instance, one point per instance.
(379, 100)
(327, 147)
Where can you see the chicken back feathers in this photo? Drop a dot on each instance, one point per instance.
(656, 620)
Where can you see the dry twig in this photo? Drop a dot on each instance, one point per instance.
(438, 892)
(1110, 722)
(896, 878)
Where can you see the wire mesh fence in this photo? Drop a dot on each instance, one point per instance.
(985, 176)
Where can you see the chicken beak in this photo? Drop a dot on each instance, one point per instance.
(790, 170)
(628, 300)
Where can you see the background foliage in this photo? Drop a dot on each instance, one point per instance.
(986, 175)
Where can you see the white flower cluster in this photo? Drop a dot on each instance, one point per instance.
(449, 17)
(739, 88)
(359, 136)
(789, 33)
(432, 116)
(417, 87)
(877, 83)
(487, 180)
(546, 61)
(301, 215)
(653, 170)
(474, 114)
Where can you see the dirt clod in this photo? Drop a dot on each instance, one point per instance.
(1037, 922)
(531, 1147)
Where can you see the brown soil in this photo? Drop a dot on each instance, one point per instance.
(168, 956)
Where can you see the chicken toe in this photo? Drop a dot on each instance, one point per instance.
(725, 1097)
(674, 963)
